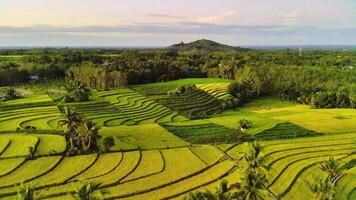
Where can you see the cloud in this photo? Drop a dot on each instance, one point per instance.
(165, 16)
(193, 28)
(292, 17)
(216, 18)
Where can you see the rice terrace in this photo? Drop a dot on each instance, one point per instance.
(97, 102)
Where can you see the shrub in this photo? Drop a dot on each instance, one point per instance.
(76, 92)
(245, 123)
(108, 143)
(331, 99)
(10, 93)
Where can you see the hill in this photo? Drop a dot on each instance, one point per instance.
(203, 45)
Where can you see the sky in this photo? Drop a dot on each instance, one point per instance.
(154, 23)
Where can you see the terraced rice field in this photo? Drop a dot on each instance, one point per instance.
(217, 90)
(102, 113)
(292, 159)
(27, 102)
(139, 108)
(204, 133)
(153, 156)
(172, 173)
(42, 118)
(284, 131)
(193, 103)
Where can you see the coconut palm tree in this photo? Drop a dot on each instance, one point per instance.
(88, 135)
(254, 157)
(223, 192)
(71, 119)
(324, 190)
(332, 167)
(252, 187)
(89, 191)
(27, 192)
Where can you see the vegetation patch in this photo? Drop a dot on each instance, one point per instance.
(206, 133)
(285, 131)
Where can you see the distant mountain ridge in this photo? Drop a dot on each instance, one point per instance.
(203, 45)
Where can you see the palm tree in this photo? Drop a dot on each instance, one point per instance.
(255, 184)
(88, 136)
(223, 192)
(254, 157)
(27, 192)
(252, 187)
(332, 167)
(86, 192)
(324, 190)
(71, 119)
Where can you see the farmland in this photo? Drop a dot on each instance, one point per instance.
(168, 146)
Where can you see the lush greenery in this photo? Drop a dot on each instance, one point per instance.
(187, 138)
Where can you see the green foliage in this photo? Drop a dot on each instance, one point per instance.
(285, 131)
(96, 77)
(81, 135)
(27, 192)
(207, 133)
(89, 191)
(9, 94)
(108, 143)
(332, 99)
(245, 123)
(247, 86)
(76, 92)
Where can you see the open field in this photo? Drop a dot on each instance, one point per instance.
(11, 58)
(161, 154)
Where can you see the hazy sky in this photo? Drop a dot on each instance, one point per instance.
(163, 22)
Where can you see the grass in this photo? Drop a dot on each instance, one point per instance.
(145, 137)
(11, 58)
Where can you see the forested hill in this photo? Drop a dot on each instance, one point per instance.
(202, 45)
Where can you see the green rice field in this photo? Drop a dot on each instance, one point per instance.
(166, 147)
